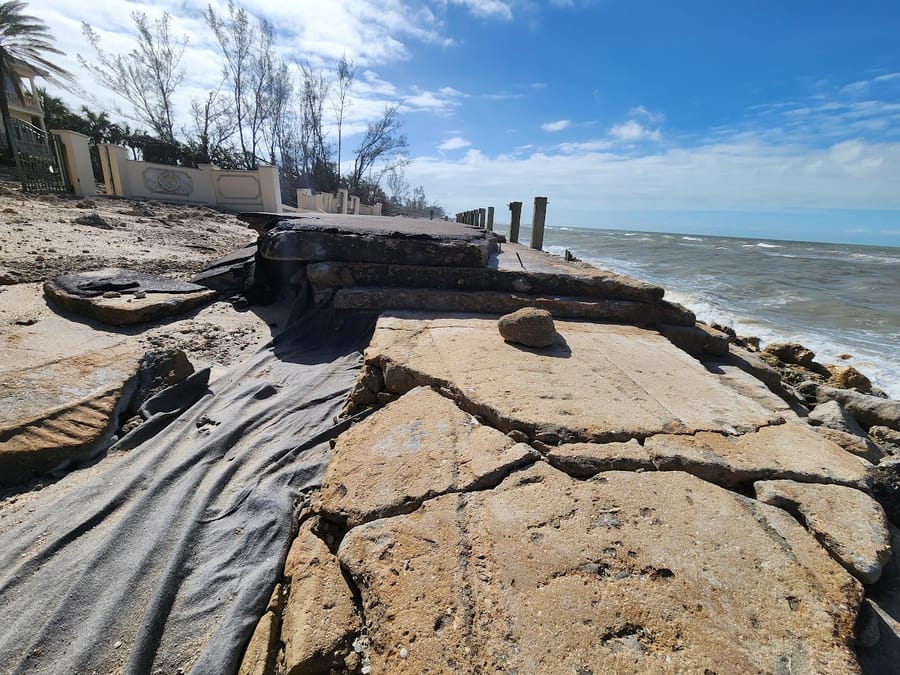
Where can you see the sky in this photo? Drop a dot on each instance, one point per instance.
(750, 118)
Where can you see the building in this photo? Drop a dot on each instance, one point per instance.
(24, 103)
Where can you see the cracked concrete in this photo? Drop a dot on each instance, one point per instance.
(584, 508)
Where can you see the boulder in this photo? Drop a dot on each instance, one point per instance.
(885, 479)
(848, 377)
(830, 414)
(791, 352)
(888, 438)
(625, 572)
(878, 642)
(415, 448)
(848, 523)
(867, 410)
(528, 326)
(320, 618)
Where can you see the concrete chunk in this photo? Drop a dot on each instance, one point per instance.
(626, 572)
(791, 451)
(416, 448)
(848, 523)
(606, 383)
(320, 619)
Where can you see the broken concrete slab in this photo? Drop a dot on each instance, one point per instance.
(848, 523)
(856, 445)
(791, 451)
(753, 388)
(379, 240)
(121, 297)
(320, 618)
(607, 383)
(626, 572)
(494, 302)
(583, 460)
(414, 449)
(228, 274)
(63, 412)
(698, 340)
(570, 281)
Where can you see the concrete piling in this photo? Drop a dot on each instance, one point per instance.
(515, 215)
(490, 219)
(537, 222)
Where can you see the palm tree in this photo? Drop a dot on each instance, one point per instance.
(24, 40)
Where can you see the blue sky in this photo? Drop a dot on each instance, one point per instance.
(749, 118)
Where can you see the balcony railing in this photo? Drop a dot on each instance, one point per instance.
(26, 101)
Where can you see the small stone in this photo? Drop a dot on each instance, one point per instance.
(117, 644)
(404, 653)
(140, 295)
(112, 294)
(529, 326)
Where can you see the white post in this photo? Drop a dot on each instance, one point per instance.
(343, 195)
(113, 160)
(271, 188)
(354, 205)
(78, 162)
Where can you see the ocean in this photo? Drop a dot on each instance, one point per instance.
(833, 298)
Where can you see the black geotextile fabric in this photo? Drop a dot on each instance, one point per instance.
(165, 559)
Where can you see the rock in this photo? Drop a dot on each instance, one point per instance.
(583, 460)
(830, 414)
(848, 523)
(415, 448)
(10, 277)
(529, 326)
(888, 438)
(493, 302)
(110, 296)
(791, 352)
(790, 451)
(867, 410)
(64, 412)
(856, 445)
(609, 383)
(848, 377)
(747, 384)
(885, 478)
(878, 643)
(625, 572)
(259, 658)
(697, 340)
(320, 618)
(94, 220)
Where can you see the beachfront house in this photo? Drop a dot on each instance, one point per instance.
(21, 96)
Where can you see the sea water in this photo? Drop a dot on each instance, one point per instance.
(835, 299)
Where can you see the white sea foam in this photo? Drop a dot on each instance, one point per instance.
(686, 238)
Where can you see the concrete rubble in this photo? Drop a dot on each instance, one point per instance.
(641, 495)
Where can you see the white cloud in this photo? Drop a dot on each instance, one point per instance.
(631, 131)
(455, 143)
(652, 117)
(486, 9)
(559, 125)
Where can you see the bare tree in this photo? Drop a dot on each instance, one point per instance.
(213, 128)
(383, 144)
(346, 75)
(148, 76)
(248, 69)
(314, 148)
